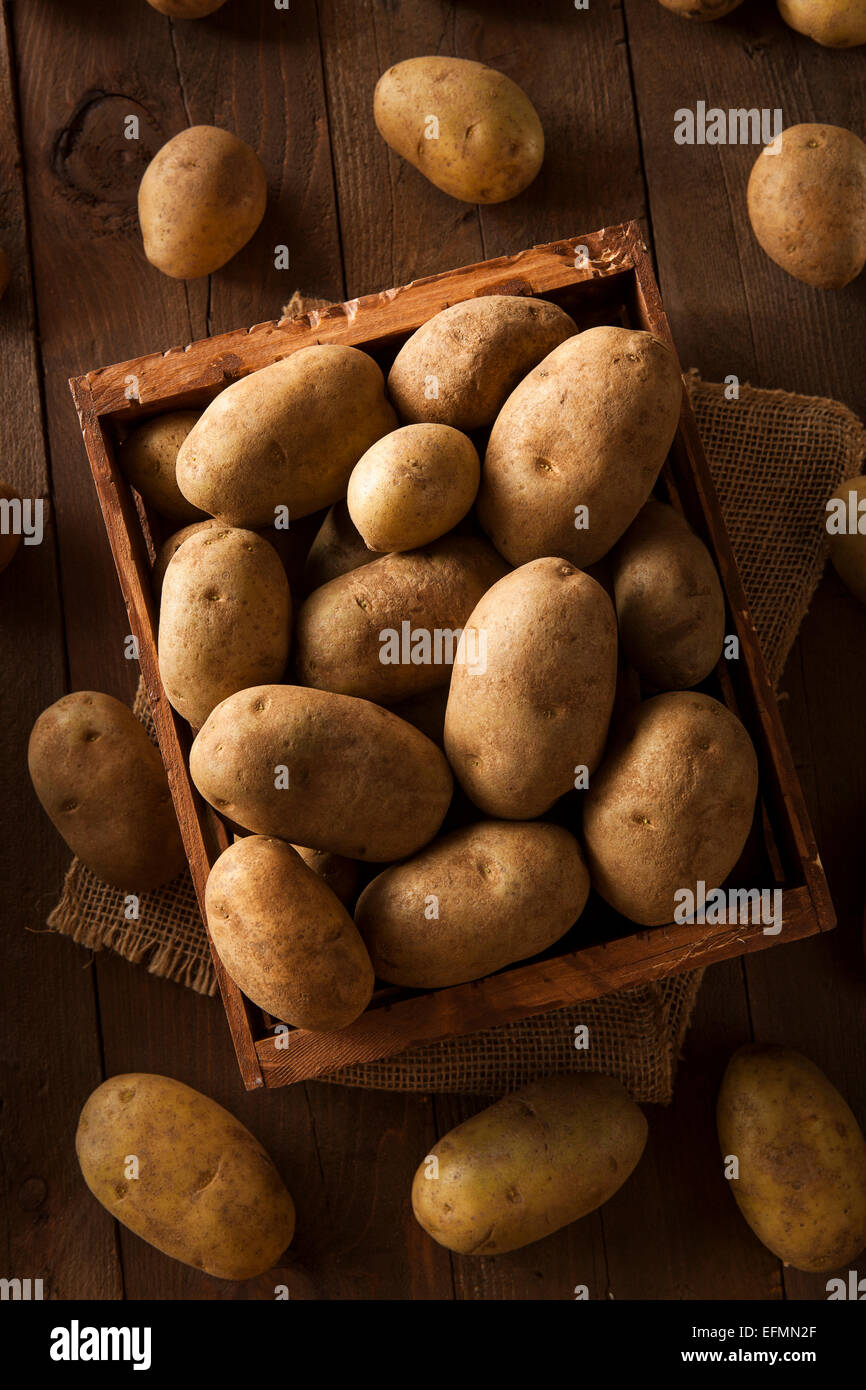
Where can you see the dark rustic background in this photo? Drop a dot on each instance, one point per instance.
(298, 86)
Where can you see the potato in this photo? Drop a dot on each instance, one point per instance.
(833, 23)
(103, 784)
(472, 902)
(672, 804)
(340, 874)
(187, 9)
(412, 486)
(391, 629)
(577, 447)
(284, 938)
(848, 547)
(336, 549)
(807, 204)
(148, 458)
(801, 1155)
(460, 366)
(9, 539)
(541, 1158)
(669, 601)
(287, 436)
(224, 622)
(701, 9)
(322, 770)
(170, 547)
(468, 128)
(205, 1191)
(535, 703)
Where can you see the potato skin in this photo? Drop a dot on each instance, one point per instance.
(477, 352)
(807, 204)
(337, 548)
(362, 783)
(516, 731)
(802, 1158)
(202, 197)
(224, 622)
(671, 804)
(535, 1161)
(148, 458)
(288, 435)
(589, 426)
(848, 551)
(833, 23)
(172, 544)
(412, 486)
(207, 1193)
(284, 938)
(504, 890)
(340, 874)
(669, 601)
(102, 783)
(338, 638)
(490, 144)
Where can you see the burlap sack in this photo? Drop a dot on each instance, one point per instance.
(775, 459)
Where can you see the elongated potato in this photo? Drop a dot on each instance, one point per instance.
(670, 806)
(413, 486)
(172, 544)
(337, 548)
(224, 621)
(472, 902)
(287, 436)
(532, 691)
(577, 447)
(103, 784)
(460, 367)
(148, 457)
(535, 1161)
(801, 1158)
(178, 1170)
(669, 601)
(391, 629)
(285, 938)
(322, 770)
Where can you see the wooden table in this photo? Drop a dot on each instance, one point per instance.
(298, 86)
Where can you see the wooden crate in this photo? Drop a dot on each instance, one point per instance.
(604, 277)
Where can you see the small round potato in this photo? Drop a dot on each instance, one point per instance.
(201, 199)
(9, 540)
(148, 458)
(670, 806)
(337, 548)
(847, 534)
(472, 902)
(285, 939)
(541, 1158)
(468, 128)
(413, 486)
(807, 204)
(339, 873)
(701, 9)
(460, 367)
(833, 23)
(103, 784)
(203, 1190)
(224, 620)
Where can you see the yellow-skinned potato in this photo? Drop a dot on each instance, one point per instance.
(833, 23)
(801, 1157)
(172, 544)
(578, 445)
(412, 486)
(461, 366)
(701, 9)
(502, 890)
(847, 507)
(187, 9)
(322, 770)
(532, 1163)
(224, 621)
(206, 1192)
(536, 702)
(103, 784)
(9, 540)
(339, 873)
(350, 633)
(468, 128)
(148, 457)
(202, 197)
(286, 436)
(337, 548)
(807, 204)
(669, 601)
(671, 805)
(285, 939)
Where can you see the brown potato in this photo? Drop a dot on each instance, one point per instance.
(833, 23)
(412, 486)
(460, 367)
(103, 784)
(148, 458)
(535, 702)
(846, 529)
(170, 547)
(336, 549)
(285, 939)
